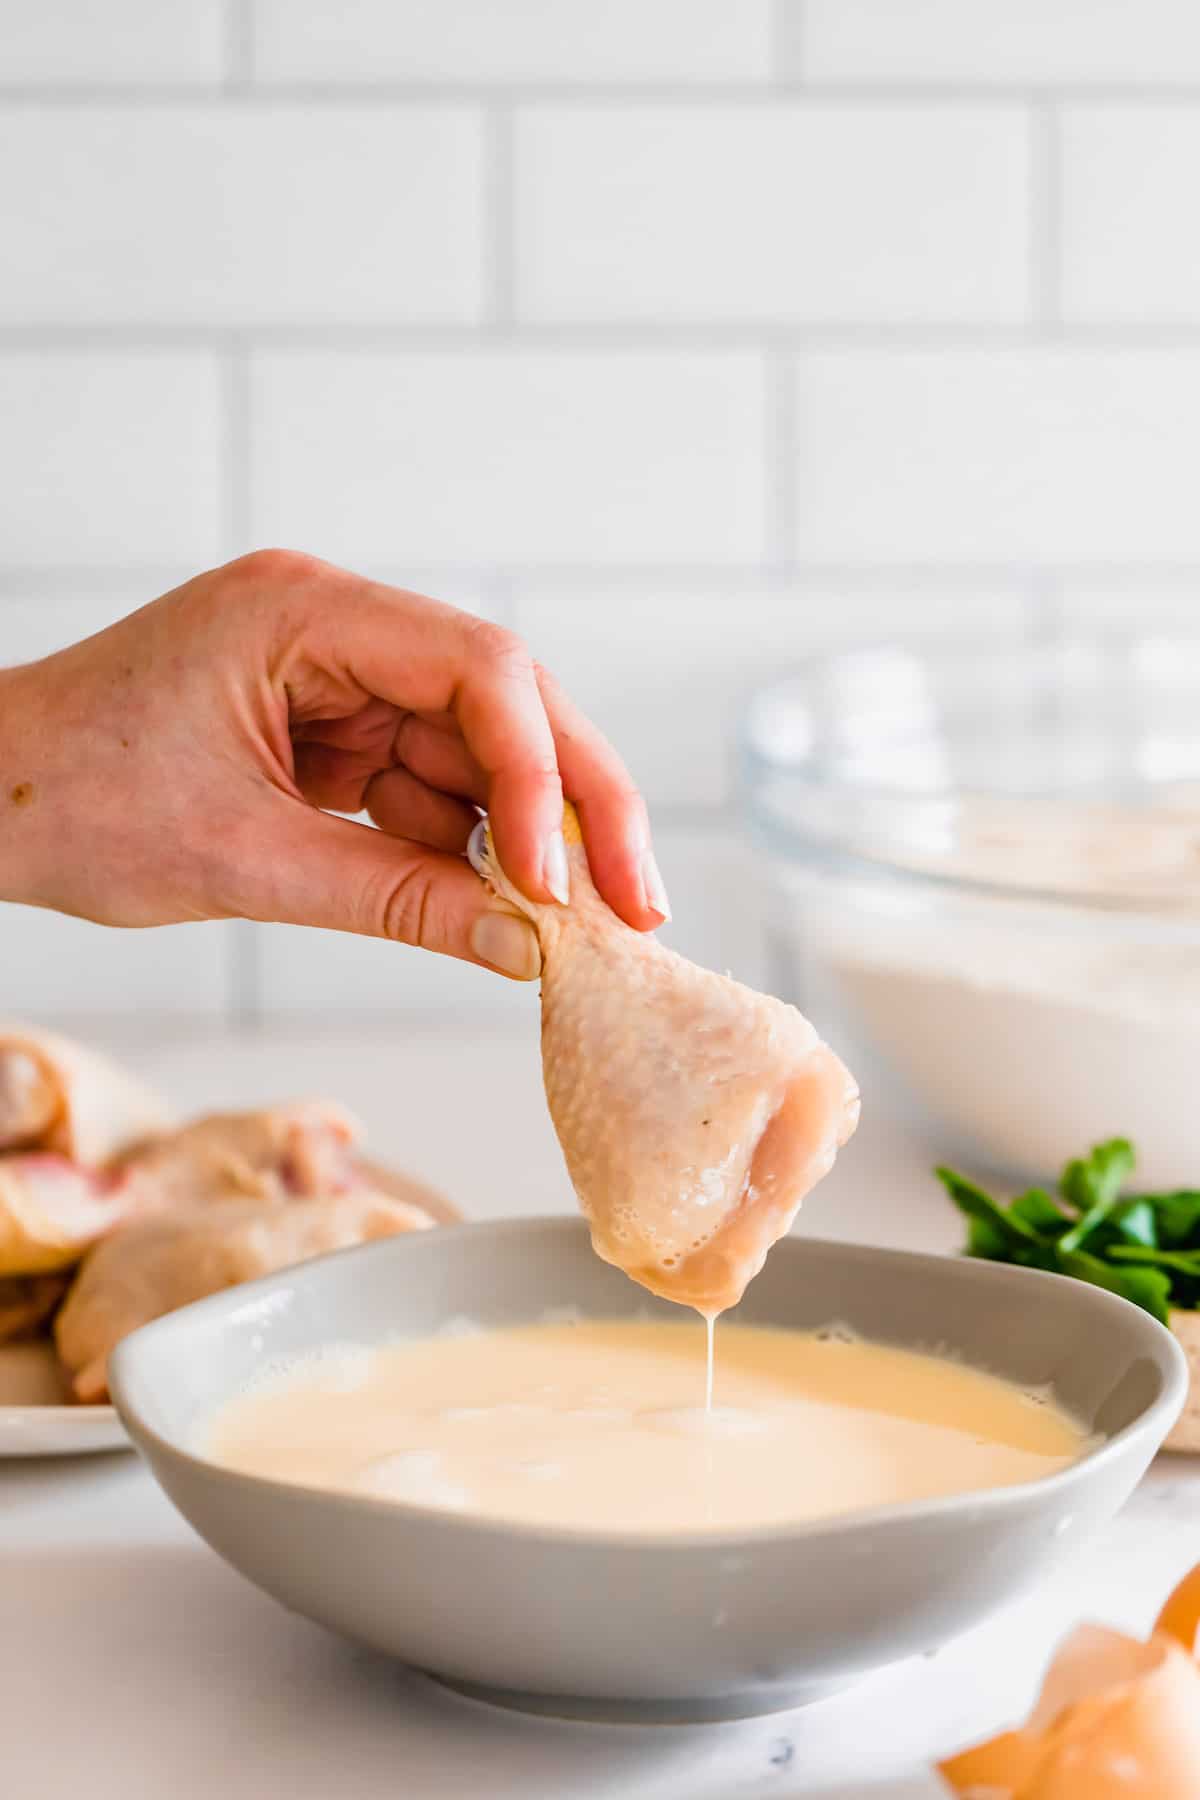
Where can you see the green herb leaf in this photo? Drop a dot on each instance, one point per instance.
(1147, 1288)
(1092, 1184)
(1134, 1222)
(1177, 1217)
(1040, 1212)
(996, 1226)
(1184, 1262)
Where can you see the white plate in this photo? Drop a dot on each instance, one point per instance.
(34, 1421)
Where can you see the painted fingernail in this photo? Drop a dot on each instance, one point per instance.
(554, 868)
(654, 888)
(507, 943)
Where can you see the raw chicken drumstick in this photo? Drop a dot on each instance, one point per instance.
(52, 1209)
(694, 1114)
(226, 1199)
(156, 1264)
(55, 1095)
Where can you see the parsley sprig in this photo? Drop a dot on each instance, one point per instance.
(1145, 1247)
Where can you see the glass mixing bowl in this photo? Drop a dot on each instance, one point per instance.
(984, 887)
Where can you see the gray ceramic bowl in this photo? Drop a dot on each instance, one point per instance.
(684, 1627)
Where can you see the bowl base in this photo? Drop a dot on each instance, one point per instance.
(692, 1710)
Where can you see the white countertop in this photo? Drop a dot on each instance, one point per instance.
(136, 1666)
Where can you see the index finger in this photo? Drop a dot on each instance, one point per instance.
(423, 656)
(616, 828)
(504, 725)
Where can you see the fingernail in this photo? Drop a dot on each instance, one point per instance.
(554, 868)
(507, 943)
(654, 888)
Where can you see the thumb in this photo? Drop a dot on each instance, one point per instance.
(332, 872)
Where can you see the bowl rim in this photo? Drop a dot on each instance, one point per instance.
(804, 849)
(1154, 1421)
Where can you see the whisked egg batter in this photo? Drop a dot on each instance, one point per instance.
(600, 1425)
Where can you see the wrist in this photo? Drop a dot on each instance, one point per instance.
(22, 804)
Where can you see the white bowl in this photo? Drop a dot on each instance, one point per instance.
(624, 1624)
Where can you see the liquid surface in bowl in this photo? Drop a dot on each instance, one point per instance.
(601, 1425)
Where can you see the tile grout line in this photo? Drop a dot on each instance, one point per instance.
(1045, 218)
(1045, 603)
(657, 337)
(787, 27)
(633, 92)
(43, 578)
(780, 453)
(239, 48)
(499, 200)
(499, 596)
(244, 973)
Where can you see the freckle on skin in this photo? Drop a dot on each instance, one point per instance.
(22, 794)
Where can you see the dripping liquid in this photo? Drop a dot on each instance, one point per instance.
(710, 1322)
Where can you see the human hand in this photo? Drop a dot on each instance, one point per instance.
(186, 764)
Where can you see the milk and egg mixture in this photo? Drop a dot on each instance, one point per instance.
(601, 1425)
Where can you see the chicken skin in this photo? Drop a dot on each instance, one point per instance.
(55, 1095)
(693, 1113)
(159, 1263)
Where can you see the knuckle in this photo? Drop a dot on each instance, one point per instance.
(404, 907)
(500, 648)
(275, 566)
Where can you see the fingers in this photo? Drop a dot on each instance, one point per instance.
(611, 810)
(361, 641)
(406, 808)
(335, 780)
(506, 731)
(314, 869)
(436, 754)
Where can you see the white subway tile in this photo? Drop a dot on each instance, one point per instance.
(979, 41)
(522, 40)
(886, 211)
(110, 457)
(34, 625)
(965, 455)
(716, 901)
(1130, 609)
(189, 214)
(329, 973)
(526, 455)
(306, 971)
(54, 966)
(1128, 190)
(77, 42)
(665, 673)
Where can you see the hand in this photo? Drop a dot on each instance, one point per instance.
(185, 763)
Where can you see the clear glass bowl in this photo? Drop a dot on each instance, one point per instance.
(984, 886)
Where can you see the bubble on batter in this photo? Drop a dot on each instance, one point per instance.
(416, 1476)
(563, 1315)
(836, 1332)
(698, 1421)
(601, 1415)
(460, 1326)
(337, 1368)
(540, 1470)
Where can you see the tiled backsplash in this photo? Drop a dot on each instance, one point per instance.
(687, 336)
